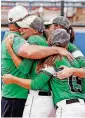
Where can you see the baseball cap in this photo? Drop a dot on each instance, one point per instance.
(63, 21)
(16, 13)
(32, 21)
(60, 38)
(19, 15)
(25, 19)
(37, 24)
(49, 22)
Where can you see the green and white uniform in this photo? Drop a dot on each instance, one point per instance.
(69, 88)
(77, 54)
(37, 104)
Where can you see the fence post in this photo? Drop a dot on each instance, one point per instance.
(62, 8)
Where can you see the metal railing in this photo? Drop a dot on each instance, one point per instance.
(6, 5)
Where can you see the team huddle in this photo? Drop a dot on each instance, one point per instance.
(43, 72)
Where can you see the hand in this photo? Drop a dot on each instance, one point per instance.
(64, 52)
(9, 40)
(7, 79)
(65, 73)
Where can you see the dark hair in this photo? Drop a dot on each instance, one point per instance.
(71, 32)
(44, 34)
(14, 23)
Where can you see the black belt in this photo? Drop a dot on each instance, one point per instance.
(69, 102)
(72, 101)
(44, 93)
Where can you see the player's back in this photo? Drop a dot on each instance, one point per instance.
(67, 88)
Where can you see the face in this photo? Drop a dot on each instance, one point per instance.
(26, 32)
(49, 29)
(56, 26)
(12, 27)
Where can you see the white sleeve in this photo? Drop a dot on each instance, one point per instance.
(49, 69)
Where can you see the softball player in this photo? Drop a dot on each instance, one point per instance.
(67, 93)
(39, 103)
(61, 22)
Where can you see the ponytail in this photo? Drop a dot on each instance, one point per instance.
(71, 32)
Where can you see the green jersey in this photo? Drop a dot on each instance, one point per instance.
(8, 67)
(77, 54)
(38, 40)
(68, 88)
(62, 89)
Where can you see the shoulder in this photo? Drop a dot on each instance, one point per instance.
(74, 50)
(72, 47)
(38, 40)
(61, 61)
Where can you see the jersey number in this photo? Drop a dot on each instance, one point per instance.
(75, 84)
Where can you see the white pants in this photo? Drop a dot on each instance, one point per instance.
(38, 106)
(73, 110)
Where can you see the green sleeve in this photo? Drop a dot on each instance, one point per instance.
(81, 61)
(77, 54)
(17, 43)
(40, 80)
(25, 66)
(72, 48)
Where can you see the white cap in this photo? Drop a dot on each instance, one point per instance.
(49, 22)
(17, 13)
(20, 13)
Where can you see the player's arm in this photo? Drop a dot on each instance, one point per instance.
(39, 52)
(35, 84)
(10, 79)
(77, 54)
(23, 65)
(16, 59)
(68, 71)
(24, 49)
(80, 72)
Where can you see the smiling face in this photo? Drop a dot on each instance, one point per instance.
(27, 32)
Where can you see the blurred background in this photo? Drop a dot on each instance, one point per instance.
(74, 10)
